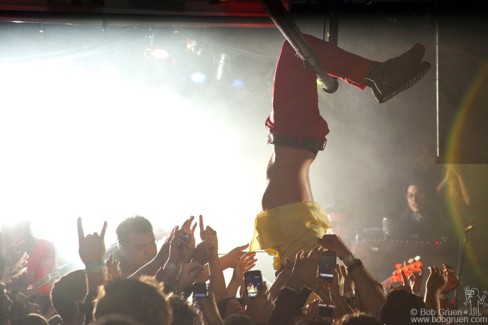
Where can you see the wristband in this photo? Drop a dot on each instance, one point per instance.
(354, 265)
(97, 267)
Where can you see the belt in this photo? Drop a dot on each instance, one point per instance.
(312, 145)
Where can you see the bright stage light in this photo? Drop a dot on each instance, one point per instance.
(198, 77)
(158, 53)
(97, 146)
(237, 83)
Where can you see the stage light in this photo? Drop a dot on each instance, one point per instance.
(198, 77)
(155, 50)
(221, 65)
(158, 53)
(237, 83)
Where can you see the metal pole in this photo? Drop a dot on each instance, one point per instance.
(291, 32)
(460, 262)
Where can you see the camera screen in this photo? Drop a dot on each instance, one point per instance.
(199, 290)
(326, 310)
(326, 265)
(253, 281)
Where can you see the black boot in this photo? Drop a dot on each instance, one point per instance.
(393, 76)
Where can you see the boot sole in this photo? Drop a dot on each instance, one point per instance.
(381, 98)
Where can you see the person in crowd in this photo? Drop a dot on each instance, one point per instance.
(37, 255)
(67, 295)
(421, 218)
(291, 220)
(136, 244)
(138, 255)
(398, 306)
(140, 299)
(130, 300)
(183, 312)
(177, 274)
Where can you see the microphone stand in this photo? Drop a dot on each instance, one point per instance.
(460, 261)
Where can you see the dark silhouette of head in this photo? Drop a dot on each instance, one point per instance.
(141, 299)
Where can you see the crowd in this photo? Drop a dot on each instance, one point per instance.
(163, 289)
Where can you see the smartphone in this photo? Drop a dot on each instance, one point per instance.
(253, 281)
(327, 264)
(200, 290)
(325, 310)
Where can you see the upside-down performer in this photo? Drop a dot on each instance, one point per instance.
(291, 221)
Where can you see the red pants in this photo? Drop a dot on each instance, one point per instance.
(295, 111)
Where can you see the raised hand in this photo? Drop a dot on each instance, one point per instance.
(189, 272)
(337, 291)
(231, 258)
(436, 280)
(202, 227)
(188, 225)
(304, 272)
(337, 287)
(186, 239)
(415, 280)
(244, 264)
(203, 252)
(452, 279)
(113, 268)
(336, 244)
(206, 233)
(405, 284)
(92, 247)
(348, 282)
(175, 254)
(186, 243)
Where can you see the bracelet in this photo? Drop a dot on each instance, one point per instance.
(354, 265)
(98, 267)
